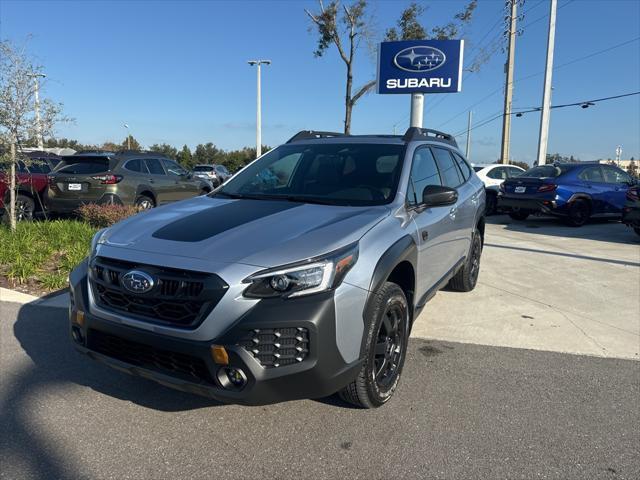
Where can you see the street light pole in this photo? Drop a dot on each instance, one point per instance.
(128, 137)
(39, 138)
(508, 91)
(258, 64)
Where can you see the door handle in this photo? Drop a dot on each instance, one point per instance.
(151, 180)
(452, 212)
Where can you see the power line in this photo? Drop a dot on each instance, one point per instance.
(583, 104)
(570, 62)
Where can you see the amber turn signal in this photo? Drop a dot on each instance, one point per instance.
(219, 355)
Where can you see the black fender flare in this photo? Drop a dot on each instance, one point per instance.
(404, 249)
(146, 188)
(580, 196)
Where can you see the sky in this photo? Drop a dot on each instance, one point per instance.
(177, 72)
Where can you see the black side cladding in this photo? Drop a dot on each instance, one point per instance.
(212, 221)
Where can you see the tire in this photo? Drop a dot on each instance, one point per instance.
(466, 278)
(389, 332)
(491, 206)
(25, 208)
(579, 213)
(144, 202)
(519, 215)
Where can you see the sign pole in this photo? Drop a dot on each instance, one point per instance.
(417, 109)
(546, 95)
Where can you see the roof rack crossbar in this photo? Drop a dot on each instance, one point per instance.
(416, 133)
(311, 134)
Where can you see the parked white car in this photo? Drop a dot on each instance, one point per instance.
(492, 175)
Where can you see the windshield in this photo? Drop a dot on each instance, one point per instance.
(335, 174)
(546, 171)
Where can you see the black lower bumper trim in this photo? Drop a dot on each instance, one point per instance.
(187, 365)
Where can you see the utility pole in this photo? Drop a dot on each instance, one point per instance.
(468, 151)
(546, 94)
(417, 109)
(258, 63)
(39, 138)
(508, 91)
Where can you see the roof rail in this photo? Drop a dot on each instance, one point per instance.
(311, 134)
(416, 133)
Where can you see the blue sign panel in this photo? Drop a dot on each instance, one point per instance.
(420, 66)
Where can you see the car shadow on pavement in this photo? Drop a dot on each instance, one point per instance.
(43, 333)
(596, 229)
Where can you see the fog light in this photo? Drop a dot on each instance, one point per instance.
(232, 378)
(77, 335)
(80, 318)
(219, 355)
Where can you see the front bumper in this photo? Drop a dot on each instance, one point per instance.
(509, 203)
(322, 372)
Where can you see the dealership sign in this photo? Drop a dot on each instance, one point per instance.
(420, 66)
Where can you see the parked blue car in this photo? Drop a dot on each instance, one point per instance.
(573, 191)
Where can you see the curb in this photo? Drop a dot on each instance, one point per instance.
(54, 300)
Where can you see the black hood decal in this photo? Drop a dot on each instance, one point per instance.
(212, 221)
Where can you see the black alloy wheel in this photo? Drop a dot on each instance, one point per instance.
(387, 336)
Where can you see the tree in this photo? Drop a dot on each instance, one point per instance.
(632, 168)
(130, 143)
(522, 165)
(184, 158)
(345, 28)
(166, 149)
(207, 154)
(17, 109)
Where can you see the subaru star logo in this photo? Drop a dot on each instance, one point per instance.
(419, 59)
(137, 281)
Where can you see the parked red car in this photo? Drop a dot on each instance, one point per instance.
(32, 184)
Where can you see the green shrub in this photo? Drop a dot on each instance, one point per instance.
(102, 216)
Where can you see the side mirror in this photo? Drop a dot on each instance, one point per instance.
(437, 196)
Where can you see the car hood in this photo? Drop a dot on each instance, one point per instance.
(254, 232)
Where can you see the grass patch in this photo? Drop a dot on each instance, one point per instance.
(40, 255)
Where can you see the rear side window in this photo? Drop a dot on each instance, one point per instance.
(86, 165)
(463, 166)
(135, 165)
(154, 166)
(203, 168)
(615, 175)
(593, 174)
(448, 170)
(423, 173)
(498, 173)
(513, 172)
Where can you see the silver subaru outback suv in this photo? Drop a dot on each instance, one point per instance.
(300, 277)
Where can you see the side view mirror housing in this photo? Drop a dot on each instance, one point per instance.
(438, 196)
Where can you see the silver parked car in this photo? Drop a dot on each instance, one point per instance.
(300, 277)
(216, 174)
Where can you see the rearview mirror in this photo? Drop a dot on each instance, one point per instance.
(437, 196)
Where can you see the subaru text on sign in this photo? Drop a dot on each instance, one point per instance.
(420, 66)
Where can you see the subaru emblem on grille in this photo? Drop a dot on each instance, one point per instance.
(137, 281)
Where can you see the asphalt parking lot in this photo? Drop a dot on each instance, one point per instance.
(535, 374)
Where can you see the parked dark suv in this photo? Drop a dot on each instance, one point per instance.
(128, 178)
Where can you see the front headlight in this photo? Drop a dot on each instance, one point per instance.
(97, 239)
(315, 275)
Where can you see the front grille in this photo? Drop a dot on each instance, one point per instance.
(276, 347)
(141, 355)
(179, 298)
